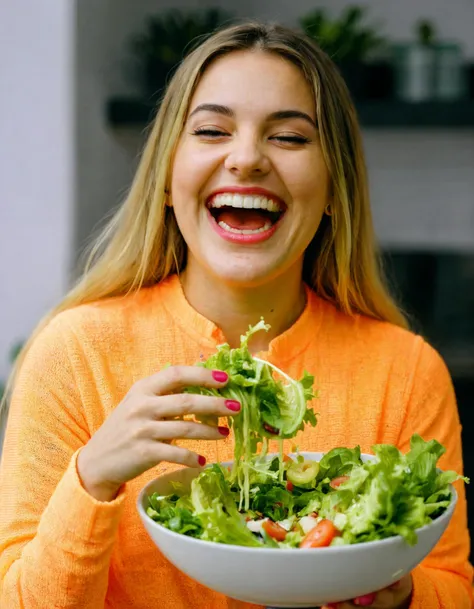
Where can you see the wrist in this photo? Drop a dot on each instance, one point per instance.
(96, 488)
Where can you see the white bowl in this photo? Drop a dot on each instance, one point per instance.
(289, 577)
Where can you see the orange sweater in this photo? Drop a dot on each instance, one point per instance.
(61, 548)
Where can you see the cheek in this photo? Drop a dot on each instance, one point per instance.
(306, 180)
(192, 168)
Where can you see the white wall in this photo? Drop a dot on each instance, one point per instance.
(422, 188)
(36, 162)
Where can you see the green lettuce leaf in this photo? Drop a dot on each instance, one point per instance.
(339, 462)
(215, 505)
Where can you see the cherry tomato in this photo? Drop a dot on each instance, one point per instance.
(270, 429)
(336, 482)
(320, 536)
(289, 486)
(274, 530)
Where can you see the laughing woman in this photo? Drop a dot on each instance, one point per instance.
(250, 200)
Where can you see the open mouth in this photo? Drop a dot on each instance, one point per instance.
(245, 214)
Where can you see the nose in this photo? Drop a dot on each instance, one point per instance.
(247, 157)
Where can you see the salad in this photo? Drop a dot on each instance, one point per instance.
(288, 501)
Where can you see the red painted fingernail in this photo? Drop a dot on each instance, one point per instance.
(201, 460)
(365, 601)
(220, 376)
(233, 405)
(225, 431)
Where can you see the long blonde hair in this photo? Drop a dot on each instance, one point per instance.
(142, 244)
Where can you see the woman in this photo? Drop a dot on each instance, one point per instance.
(250, 200)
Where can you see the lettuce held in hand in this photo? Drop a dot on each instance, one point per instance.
(271, 408)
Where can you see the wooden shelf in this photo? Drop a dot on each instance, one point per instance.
(137, 113)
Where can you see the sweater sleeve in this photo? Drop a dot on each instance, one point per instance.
(444, 579)
(55, 539)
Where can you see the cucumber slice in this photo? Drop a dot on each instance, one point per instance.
(302, 473)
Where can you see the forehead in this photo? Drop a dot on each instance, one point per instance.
(254, 80)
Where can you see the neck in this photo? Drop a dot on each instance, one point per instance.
(233, 308)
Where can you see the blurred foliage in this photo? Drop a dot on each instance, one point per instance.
(343, 39)
(426, 32)
(168, 37)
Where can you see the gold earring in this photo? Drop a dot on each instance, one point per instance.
(328, 210)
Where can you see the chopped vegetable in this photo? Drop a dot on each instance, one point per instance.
(320, 536)
(303, 473)
(336, 482)
(274, 530)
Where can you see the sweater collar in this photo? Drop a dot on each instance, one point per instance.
(284, 347)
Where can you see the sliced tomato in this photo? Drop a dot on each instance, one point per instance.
(289, 486)
(336, 482)
(320, 536)
(273, 430)
(274, 530)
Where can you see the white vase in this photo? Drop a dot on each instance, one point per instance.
(415, 72)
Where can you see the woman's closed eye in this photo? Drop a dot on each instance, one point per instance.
(291, 138)
(213, 133)
(209, 133)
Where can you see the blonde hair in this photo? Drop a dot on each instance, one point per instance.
(142, 244)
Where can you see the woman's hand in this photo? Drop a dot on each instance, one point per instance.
(138, 433)
(396, 596)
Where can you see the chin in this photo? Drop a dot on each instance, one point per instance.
(245, 274)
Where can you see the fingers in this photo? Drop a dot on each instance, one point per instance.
(361, 601)
(176, 378)
(177, 454)
(179, 405)
(369, 600)
(365, 601)
(170, 430)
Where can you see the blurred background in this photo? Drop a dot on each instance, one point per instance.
(80, 81)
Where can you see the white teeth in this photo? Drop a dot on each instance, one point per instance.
(244, 231)
(245, 202)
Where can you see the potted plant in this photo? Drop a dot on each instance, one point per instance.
(167, 38)
(415, 65)
(352, 46)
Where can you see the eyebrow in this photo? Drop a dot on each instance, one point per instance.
(279, 115)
